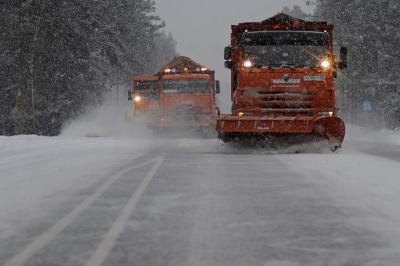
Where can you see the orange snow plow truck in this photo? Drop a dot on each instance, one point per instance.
(187, 96)
(282, 82)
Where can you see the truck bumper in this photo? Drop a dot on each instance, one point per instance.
(330, 128)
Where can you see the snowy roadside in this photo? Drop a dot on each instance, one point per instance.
(356, 133)
(380, 143)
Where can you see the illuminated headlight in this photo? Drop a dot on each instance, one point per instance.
(248, 63)
(168, 70)
(241, 114)
(138, 98)
(325, 63)
(203, 69)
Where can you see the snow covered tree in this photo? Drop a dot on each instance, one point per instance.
(59, 56)
(369, 29)
(163, 51)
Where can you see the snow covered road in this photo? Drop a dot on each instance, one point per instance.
(106, 201)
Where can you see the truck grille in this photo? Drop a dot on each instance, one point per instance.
(286, 103)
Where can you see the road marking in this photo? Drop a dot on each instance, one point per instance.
(109, 239)
(42, 241)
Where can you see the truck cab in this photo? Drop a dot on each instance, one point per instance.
(295, 66)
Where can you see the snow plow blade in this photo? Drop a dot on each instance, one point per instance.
(232, 128)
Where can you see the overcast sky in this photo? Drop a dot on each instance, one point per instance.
(202, 27)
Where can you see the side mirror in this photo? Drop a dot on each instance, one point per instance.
(217, 87)
(228, 53)
(129, 95)
(343, 58)
(228, 64)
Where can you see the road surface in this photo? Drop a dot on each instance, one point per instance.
(192, 202)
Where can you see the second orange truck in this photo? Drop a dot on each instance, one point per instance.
(180, 96)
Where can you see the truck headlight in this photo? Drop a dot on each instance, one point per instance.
(138, 98)
(325, 64)
(248, 63)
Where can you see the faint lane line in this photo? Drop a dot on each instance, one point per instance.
(109, 239)
(42, 241)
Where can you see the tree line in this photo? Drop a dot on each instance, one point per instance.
(58, 57)
(369, 29)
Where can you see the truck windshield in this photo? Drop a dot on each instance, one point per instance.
(285, 48)
(186, 86)
(148, 89)
(285, 55)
